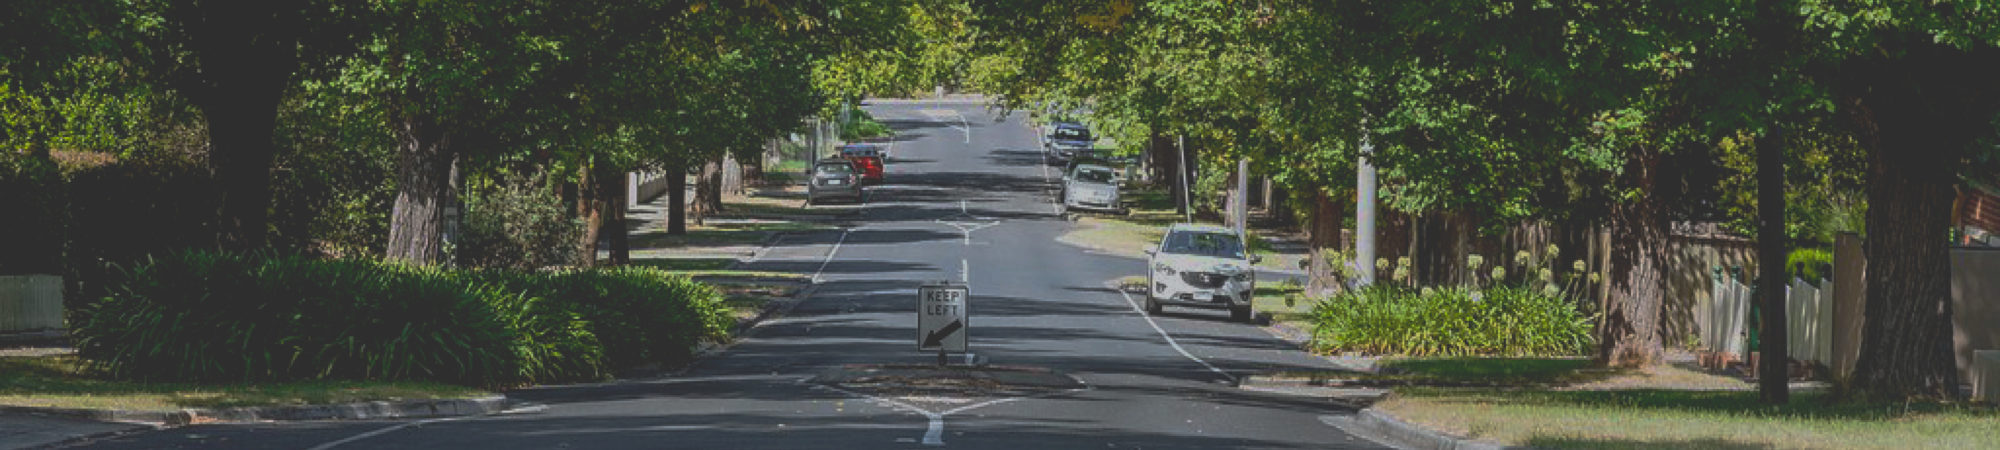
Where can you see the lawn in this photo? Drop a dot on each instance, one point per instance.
(1563, 403)
(60, 381)
(1284, 302)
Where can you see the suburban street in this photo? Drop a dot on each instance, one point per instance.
(967, 198)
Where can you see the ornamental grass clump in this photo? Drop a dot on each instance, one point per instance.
(1455, 321)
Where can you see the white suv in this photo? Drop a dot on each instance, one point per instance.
(1203, 266)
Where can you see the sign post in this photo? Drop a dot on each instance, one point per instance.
(941, 317)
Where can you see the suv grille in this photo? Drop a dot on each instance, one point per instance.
(1204, 280)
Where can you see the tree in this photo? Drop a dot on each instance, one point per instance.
(234, 59)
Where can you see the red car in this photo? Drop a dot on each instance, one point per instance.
(867, 159)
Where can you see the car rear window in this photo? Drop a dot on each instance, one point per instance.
(835, 169)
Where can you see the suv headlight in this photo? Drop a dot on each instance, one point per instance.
(1241, 277)
(1163, 268)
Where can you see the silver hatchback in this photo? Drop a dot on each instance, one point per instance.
(834, 178)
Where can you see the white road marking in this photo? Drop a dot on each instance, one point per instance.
(963, 126)
(964, 271)
(934, 432)
(528, 409)
(965, 228)
(1170, 338)
(829, 256)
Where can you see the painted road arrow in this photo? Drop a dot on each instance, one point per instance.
(936, 338)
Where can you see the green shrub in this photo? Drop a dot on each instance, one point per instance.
(31, 191)
(642, 316)
(204, 316)
(1808, 263)
(1505, 320)
(199, 316)
(862, 125)
(519, 223)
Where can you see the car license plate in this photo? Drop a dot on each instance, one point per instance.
(1204, 297)
(835, 182)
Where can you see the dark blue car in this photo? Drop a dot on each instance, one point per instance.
(1065, 140)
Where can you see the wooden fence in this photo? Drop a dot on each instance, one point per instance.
(30, 303)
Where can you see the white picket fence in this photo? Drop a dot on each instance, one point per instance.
(1808, 319)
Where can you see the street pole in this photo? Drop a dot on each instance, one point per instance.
(1242, 196)
(1364, 212)
(1187, 204)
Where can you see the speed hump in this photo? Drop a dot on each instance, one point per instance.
(941, 324)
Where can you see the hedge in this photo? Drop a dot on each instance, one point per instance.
(203, 316)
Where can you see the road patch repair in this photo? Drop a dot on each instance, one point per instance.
(936, 392)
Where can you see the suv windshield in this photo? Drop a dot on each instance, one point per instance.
(1094, 176)
(1202, 243)
(1072, 134)
(835, 169)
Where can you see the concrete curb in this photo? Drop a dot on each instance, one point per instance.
(349, 411)
(1389, 430)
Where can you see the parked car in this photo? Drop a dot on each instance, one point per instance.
(1202, 266)
(1091, 187)
(835, 178)
(867, 158)
(1065, 139)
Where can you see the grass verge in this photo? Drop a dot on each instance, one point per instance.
(60, 381)
(1660, 418)
(1564, 403)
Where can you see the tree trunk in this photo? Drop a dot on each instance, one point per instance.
(677, 198)
(753, 170)
(1322, 237)
(1163, 159)
(731, 176)
(247, 52)
(616, 236)
(1906, 348)
(240, 153)
(1773, 372)
(423, 189)
(590, 209)
(708, 190)
(1919, 114)
(1629, 335)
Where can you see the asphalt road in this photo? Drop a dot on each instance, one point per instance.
(967, 198)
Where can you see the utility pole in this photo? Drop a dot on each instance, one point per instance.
(1364, 211)
(1242, 200)
(1187, 204)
